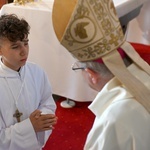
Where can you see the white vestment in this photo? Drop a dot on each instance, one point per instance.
(121, 122)
(33, 88)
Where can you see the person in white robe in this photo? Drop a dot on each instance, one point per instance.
(27, 108)
(91, 32)
(121, 122)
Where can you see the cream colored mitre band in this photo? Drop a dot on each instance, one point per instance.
(115, 64)
(90, 29)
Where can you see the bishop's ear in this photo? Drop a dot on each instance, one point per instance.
(92, 75)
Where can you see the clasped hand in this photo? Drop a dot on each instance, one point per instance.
(42, 122)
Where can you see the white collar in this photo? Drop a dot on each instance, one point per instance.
(6, 71)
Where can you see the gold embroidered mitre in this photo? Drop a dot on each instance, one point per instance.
(90, 29)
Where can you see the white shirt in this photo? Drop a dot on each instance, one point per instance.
(35, 93)
(121, 122)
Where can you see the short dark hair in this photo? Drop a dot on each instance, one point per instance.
(13, 28)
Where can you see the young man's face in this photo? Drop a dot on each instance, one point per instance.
(14, 54)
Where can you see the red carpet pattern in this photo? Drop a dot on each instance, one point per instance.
(72, 128)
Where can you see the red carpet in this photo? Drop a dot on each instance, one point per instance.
(72, 127)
